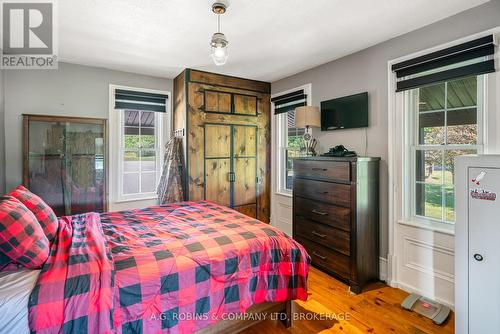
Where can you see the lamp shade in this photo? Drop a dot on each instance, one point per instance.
(307, 116)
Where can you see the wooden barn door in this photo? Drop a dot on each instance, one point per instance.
(245, 169)
(218, 163)
(231, 166)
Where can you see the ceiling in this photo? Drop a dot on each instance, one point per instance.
(269, 39)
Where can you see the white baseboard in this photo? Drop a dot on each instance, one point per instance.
(383, 269)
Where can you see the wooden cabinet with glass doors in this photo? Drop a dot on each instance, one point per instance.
(64, 162)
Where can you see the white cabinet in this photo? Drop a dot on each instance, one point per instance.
(477, 245)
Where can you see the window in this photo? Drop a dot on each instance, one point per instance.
(445, 122)
(136, 124)
(291, 146)
(289, 141)
(139, 152)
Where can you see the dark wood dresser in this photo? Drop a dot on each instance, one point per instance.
(336, 215)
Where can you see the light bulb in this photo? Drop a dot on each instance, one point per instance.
(219, 55)
(220, 52)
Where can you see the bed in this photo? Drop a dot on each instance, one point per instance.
(176, 268)
(15, 289)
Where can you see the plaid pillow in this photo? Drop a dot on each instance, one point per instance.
(43, 213)
(21, 237)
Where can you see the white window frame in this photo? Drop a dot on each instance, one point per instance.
(399, 157)
(121, 172)
(410, 104)
(281, 130)
(401, 228)
(117, 148)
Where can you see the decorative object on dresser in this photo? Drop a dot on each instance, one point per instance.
(64, 162)
(308, 117)
(336, 215)
(339, 151)
(227, 140)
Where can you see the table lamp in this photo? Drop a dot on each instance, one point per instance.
(307, 117)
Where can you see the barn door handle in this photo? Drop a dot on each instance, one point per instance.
(318, 234)
(321, 213)
(320, 256)
(232, 177)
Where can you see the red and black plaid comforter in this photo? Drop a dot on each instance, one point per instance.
(166, 269)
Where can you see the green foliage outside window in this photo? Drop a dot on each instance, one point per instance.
(136, 141)
(141, 148)
(447, 127)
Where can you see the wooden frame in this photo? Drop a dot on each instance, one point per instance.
(27, 118)
(232, 110)
(188, 99)
(228, 81)
(284, 309)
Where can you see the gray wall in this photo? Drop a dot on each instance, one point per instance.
(72, 90)
(367, 71)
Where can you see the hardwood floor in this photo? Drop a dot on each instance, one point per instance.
(376, 310)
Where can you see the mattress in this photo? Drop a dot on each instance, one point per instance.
(15, 289)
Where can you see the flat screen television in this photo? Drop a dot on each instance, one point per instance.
(346, 112)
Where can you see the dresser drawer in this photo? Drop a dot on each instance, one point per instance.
(326, 170)
(328, 214)
(327, 236)
(325, 258)
(339, 194)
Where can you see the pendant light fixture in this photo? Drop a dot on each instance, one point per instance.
(219, 43)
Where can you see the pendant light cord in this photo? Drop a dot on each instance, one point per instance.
(218, 22)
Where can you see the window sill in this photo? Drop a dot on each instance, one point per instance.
(443, 228)
(136, 199)
(285, 194)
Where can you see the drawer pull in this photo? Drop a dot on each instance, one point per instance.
(321, 169)
(323, 192)
(320, 256)
(318, 234)
(321, 213)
